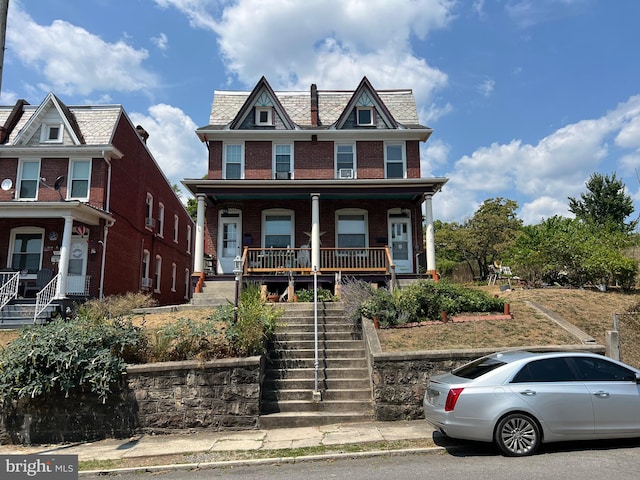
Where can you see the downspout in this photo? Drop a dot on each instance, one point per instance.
(107, 225)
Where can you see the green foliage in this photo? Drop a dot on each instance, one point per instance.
(324, 295)
(605, 204)
(256, 323)
(426, 300)
(114, 306)
(64, 356)
(354, 293)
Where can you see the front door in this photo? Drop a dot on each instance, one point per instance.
(229, 235)
(76, 277)
(400, 242)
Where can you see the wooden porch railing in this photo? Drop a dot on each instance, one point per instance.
(273, 261)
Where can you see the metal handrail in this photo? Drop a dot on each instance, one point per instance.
(9, 289)
(45, 296)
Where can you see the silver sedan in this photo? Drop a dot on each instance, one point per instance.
(520, 399)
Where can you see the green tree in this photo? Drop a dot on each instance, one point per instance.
(192, 208)
(604, 203)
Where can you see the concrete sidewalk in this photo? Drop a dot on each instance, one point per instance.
(202, 442)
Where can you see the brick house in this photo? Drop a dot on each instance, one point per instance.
(319, 179)
(84, 202)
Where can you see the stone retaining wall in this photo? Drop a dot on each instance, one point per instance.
(153, 398)
(398, 380)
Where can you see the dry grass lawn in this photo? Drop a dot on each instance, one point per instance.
(591, 311)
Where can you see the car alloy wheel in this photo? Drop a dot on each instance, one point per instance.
(518, 435)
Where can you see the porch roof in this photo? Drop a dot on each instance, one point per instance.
(369, 189)
(78, 210)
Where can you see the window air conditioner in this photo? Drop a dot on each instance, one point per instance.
(283, 175)
(146, 283)
(345, 173)
(150, 222)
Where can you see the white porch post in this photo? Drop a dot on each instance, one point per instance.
(315, 231)
(430, 240)
(198, 250)
(63, 265)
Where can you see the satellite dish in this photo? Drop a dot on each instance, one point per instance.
(6, 184)
(59, 182)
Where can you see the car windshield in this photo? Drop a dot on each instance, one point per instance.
(478, 368)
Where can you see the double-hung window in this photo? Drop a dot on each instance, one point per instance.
(79, 173)
(351, 228)
(282, 161)
(278, 229)
(233, 161)
(160, 223)
(345, 160)
(28, 178)
(26, 248)
(394, 160)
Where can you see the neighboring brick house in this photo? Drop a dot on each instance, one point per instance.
(314, 179)
(83, 197)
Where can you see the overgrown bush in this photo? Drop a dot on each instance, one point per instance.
(114, 306)
(67, 355)
(324, 295)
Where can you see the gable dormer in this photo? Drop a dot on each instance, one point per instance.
(262, 110)
(366, 109)
(51, 124)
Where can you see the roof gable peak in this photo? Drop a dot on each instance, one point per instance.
(263, 97)
(365, 96)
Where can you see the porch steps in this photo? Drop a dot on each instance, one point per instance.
(215, 292)
(19, 313)
(343, 376)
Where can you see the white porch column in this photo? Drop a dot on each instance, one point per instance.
(63, 264)
(315, 231)
(198, 249)
(430, 241)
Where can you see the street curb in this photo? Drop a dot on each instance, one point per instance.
(264, 461)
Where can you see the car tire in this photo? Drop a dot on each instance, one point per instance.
(518, 435)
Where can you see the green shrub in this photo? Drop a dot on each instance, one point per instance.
(63, 356)
(324, 295)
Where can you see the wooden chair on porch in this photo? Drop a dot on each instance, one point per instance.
(43, 277)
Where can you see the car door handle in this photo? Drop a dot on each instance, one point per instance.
(602, 394)
(528, 393)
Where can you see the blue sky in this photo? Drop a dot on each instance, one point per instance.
(527, 98)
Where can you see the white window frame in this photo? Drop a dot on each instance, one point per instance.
(403, 161)
(275, 155)
(279, 212)
(176, 222)
(352, 211)
(146, 260)
(187, 283)
(371, 116)
(188, 238)
(353, 158)
(225, 161)
(73, 179)
(21, 178)
(148, 210)
(160, 224)
(45, 132)
(269, 121)
(174, 272)
(157, 274)
(12, 244)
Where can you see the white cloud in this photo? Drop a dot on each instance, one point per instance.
(434, 154)
(173, 142)
(161, 41)
(546, 174)
(332, 43)
(486, 87)
(73, 60)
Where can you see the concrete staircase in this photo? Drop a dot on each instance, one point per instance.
(19, 313)
(215, 292)
(343, 377)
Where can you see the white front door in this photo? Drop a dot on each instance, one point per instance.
(76, 276)
(400, 242)
(229, 235)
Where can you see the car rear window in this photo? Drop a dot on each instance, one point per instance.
(477, 368)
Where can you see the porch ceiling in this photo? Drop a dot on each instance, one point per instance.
(404, 189)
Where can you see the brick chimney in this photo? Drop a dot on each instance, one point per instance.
(314, 105)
